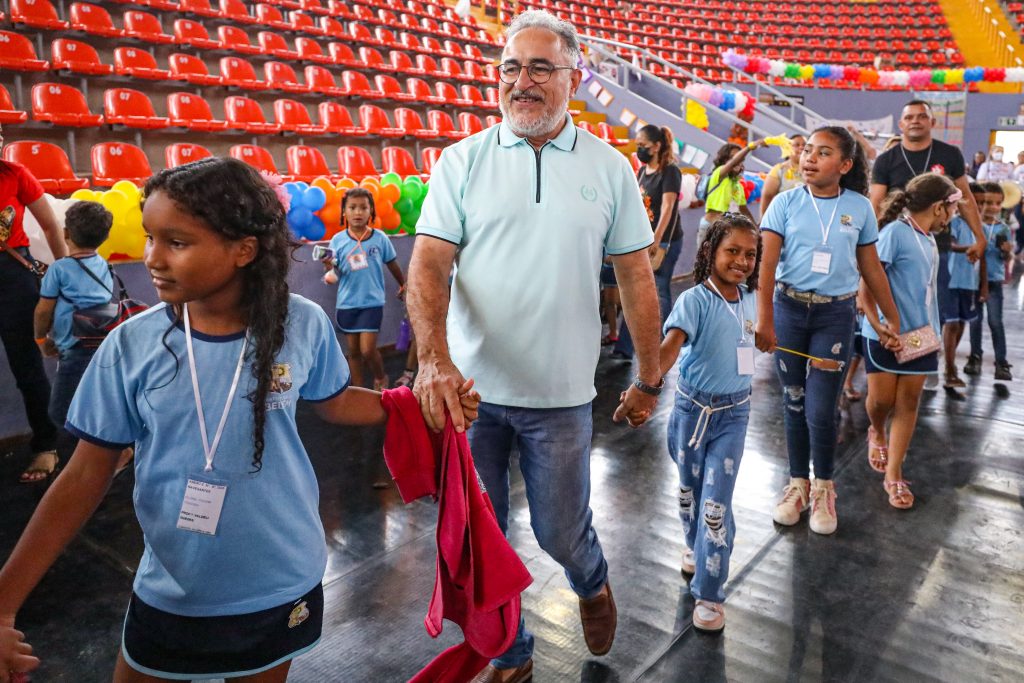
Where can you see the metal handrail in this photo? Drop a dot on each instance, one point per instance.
(587, 38)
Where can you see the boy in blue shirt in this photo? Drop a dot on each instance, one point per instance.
(998, 250)
(968, 288)
(80, 280)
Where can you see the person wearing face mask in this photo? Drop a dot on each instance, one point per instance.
(995, 169)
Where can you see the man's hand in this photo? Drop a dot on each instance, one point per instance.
(635, 407)
(15, 654)
(764, 337)
(470, 402)
(975, 251)
(438, 386)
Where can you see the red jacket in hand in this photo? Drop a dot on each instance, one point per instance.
(479, 576)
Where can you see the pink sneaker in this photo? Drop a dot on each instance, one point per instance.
(793, 503)
(823, 507)
(708, 616)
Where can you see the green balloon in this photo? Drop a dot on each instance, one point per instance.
(792, 71)
(939, 76)
(414, 216)
(393, 231)
(415, 180)
(410, 229)
(419, 202)
(391, 179)
(403, 206)
(411, 191)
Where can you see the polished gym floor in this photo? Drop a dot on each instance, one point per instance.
(935, 593)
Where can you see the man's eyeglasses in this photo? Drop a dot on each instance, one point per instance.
(539, 72)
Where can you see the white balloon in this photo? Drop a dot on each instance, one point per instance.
(687, 190)
(38, 245)
(776, 68)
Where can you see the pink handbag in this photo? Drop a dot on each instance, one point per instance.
(917, 343)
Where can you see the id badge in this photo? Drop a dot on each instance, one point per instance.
(745, 358)
(201, 507)
(358, 261)
(821, 260)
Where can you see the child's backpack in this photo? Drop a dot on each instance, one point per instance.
(703, 189)
(91, 325)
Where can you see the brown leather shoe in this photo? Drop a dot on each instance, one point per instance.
(520, 674)
(599, 618)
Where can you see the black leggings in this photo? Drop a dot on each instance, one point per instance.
(19, 293)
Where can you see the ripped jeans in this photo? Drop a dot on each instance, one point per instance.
(810, 395)
(707, 477)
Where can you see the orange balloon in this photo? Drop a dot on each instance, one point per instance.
(346, 183)
(330, 214)
(391, 193)
(391, 221)
(369, 182)
(375, 223)
(374, 191)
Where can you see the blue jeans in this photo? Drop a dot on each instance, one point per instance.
(554, 457)
(810, 395)
(70, 368)
(707, 477)
(663, 283)
(994, 308)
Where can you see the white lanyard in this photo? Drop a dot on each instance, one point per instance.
(927, 160)
(211, 449)
(728, 307)
(825, 229)
(933, 261)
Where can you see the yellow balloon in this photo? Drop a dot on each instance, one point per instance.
(127, 188)
(116, 202)
(85, 195)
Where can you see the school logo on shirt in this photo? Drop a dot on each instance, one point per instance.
(588, 193)
(846, 223)
(281, 380)
(6, 222)
(748, 327)
(299, 614)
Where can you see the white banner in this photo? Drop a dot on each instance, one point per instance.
(870, 127)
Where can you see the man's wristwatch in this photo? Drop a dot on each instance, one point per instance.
(647, 388)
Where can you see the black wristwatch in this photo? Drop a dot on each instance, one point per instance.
(647, 388)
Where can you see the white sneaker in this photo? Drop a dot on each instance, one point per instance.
(794, 501)
(689, 563)
(708, 616)
(823, 507)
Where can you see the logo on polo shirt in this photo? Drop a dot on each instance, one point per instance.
(299, 614)
(588, 193)
(938, 168)
(281, 378)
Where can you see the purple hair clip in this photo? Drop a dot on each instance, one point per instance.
(276, 183)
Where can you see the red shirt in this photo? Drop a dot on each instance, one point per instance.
(18, 188)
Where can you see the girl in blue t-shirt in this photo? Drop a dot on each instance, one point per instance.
(828, 231)
(356, 264)
(907, 249)
(713, 325)
(229, 585)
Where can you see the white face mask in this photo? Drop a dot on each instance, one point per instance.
(997, 156)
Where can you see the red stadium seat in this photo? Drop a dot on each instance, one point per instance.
(321, 81)
(492, 121)
(356, 84)
(450, 95)
(245, 114)
(114, 161)
(303, 23)
(8, 114)
(472, 94)
(313, 7)
(48, 163)
(239, 73)
(310, 51)
(94, 20)
(188, 32)
(421, 91)
(307, 163)
(335, 119)
(428, 66)
(607, 133)
(375, 121)
(181, 153)
(139, 63)
(401, 63)
(372, 59)
(360, 34)
(268, 15)
(331, 27)
(77, 57)
(470, 123)
(257, 157)
(411, 124)
(356, 163)
(131, 108)
(17, 53)
(236, 11)
(442, 123)
(451, 69)
(392, 89)
(386, 38)
(39, 14)
(237, 40)
(342, 55)
(191, 69)
(273, 45)
(430, 157)
(188, 110)
(281, 76)
(200, 8)
(62, 105)
(293, 116)
(398, 160)
(145, 27)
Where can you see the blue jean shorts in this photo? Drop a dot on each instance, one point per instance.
(961, 305)
(355, 320)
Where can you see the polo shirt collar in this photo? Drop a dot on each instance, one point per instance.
(565, 140)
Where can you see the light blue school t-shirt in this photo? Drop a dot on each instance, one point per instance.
(362, 288)
(530, 227)
(994, 263)
(74, 290)
(708, 360)
(793, 217)
(269, 545)
(962, 273)
(911, 262)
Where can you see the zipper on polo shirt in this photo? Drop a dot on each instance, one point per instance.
(536, 154)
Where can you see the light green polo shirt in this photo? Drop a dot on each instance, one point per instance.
(531, 228)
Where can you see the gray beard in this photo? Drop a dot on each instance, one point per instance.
(539, 127)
